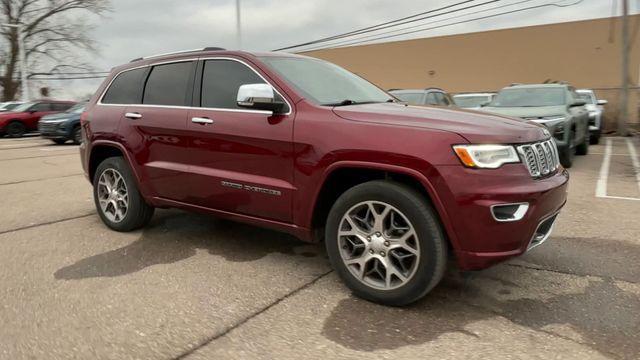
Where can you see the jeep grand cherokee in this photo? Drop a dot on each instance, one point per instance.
(303, 146)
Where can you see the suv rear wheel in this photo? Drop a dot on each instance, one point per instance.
(385, 242)
(116, 195)
(16, 129)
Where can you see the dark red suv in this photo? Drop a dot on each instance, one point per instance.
(303, 146)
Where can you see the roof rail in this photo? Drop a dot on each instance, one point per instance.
(208, 48)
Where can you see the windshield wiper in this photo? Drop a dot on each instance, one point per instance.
(347, 102)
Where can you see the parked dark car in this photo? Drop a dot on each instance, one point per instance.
(429, 96)
(25, 117)
(62, 127)
(303, 146)
(556, 106)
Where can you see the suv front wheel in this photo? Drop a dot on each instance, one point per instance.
(117, 198)
(385, 242)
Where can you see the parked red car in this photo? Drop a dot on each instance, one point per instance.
(25, 117)
(303, 146)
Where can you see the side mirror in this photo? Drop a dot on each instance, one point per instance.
(602, 102)
(483, 104)
(578, 103)
(259, 97)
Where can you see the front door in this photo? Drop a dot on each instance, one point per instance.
(155, 131)
(241, 160)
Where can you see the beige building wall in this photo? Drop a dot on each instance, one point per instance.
(584, 53)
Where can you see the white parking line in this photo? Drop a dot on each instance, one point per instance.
(601, 185)
(57, 148)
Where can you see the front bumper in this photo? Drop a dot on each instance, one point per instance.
(480, 240)
(53, 130)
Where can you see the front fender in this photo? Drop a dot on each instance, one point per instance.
(426, 179)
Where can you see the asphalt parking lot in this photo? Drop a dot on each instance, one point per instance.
(195, 287)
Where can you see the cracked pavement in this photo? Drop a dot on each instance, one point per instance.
(195, 287)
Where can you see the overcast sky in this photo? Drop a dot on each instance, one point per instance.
(143, 27)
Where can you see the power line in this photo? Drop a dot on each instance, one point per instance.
(451, 24)
(429, 23)
(370, 28)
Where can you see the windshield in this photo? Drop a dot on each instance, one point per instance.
(587, 98)
(77, 108)
(325, 83)
(23, 107)
(466, 101)
(11, 106)
(529, 97)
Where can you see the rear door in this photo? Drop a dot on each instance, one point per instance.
(241, 159)
(155, 130)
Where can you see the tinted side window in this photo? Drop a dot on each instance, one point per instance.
(125, 89)
(442, 99)
(169, 84)
(221, 80)
(431, 99)
(41, 107)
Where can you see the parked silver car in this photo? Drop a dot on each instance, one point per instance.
(429, 96)
(473, 101)
(596, 113)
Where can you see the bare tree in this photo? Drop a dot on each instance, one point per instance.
(52, 30)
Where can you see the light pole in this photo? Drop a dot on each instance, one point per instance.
(624, 101)
(238, 26)
(23, 62)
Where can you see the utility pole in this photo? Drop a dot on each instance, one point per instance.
(238, 26)
(624, 99)
(23, 61)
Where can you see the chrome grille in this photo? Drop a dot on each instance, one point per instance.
(541, 158)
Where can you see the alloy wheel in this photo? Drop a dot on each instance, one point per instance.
(379, 245)
(113, 196)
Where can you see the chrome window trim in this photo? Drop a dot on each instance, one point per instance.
(249, 111)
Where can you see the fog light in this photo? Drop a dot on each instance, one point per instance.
(509, 212)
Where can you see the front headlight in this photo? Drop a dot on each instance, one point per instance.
(486, 156)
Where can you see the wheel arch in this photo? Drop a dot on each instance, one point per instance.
(341, 176)
(101, 150)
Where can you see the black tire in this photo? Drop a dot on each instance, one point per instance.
(138, 213)
(59, 141)
(583, 148)
(566, 157)
(432, 262)
(16, 129)
(76, 135)
(594, 138)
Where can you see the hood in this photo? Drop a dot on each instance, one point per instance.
(476, 127)
(528, 112)
(59, 116)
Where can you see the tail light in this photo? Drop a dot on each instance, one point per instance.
(84, 117)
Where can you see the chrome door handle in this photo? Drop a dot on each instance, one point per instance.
(201, 120)
(133, 115)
